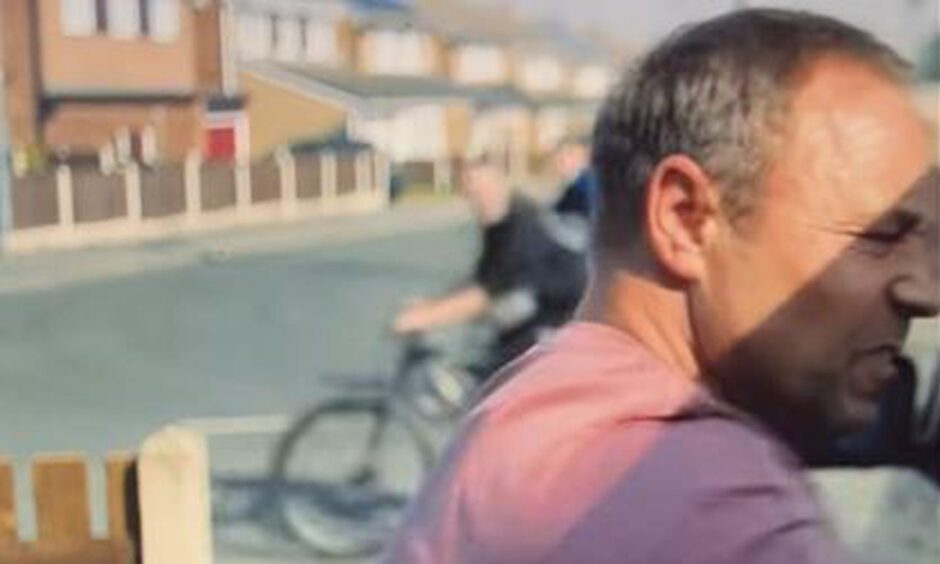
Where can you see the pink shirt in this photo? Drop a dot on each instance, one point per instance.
(597, 452)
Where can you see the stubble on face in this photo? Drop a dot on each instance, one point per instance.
(800, 326)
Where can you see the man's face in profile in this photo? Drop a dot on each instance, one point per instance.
(485, 188)
(813, 292)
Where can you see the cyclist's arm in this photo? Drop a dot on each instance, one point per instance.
(460, 306)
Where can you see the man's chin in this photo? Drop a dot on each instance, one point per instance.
(856, 415)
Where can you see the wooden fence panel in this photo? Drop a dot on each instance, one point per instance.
(346, 173)
(35, 201)
(416, 173)
(309, 174)
(265, 180)
(218, 186)
(118, 470)
(61, 493)
(98, 196)
(162, 191)
(7, 504)
(87, 552)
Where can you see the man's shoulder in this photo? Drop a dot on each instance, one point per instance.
(611, 425)
(591, 445)
(707, 490)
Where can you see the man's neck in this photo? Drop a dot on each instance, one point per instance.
(651, 313)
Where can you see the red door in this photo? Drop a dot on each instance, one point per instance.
(220, 143)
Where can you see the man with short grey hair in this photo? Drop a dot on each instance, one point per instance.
(767, 231)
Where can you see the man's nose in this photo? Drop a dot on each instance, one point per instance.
(918, 294)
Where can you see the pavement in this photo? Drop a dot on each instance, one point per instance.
(55, 269)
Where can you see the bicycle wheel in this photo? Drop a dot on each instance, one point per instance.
(345, 473)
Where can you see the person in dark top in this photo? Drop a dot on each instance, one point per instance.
(526, 278)
(578, 198)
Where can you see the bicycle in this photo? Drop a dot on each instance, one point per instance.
(348, 467)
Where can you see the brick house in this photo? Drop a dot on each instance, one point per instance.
(383, 80)
(109, 80)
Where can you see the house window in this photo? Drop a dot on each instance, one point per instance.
(288, 33)
(254, 36)
(320, 43)
(412, 59)
(419, 134)
(480, 64)
(124, 18)
(398, 53)
(542, 74)
(592, 81)
(78, 18)
(385, 56)
(161, 19)
(274, 33)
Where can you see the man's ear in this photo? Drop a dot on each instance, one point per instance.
(682, 207)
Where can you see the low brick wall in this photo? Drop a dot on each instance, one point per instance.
(265, 181)
(218, 187)
(162, 191)
(34, 199)
(97, 196)
(309, 173)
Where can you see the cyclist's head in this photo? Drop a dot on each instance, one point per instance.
(486, 187)
(570, 156)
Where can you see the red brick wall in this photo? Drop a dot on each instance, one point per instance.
(19, 66)
(208, 49)
(101, 62)
(84, 127)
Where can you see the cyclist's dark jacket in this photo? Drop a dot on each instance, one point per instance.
(521, 252)
(579, 197)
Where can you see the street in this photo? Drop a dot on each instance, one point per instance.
(95, 362)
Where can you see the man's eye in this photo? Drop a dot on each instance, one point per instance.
(885, 237)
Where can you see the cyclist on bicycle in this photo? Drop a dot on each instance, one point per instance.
(528, 277)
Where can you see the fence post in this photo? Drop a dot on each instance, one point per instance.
(441, 174)
(133, 193)
(242, 185)
(173, 470)
(193, 187)
(65, 198)
(328, 188)
(362, 173)
(383, 175)
(288, 169)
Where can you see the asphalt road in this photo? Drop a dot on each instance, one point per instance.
(103, 347)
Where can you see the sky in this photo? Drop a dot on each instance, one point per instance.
(905, 24)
